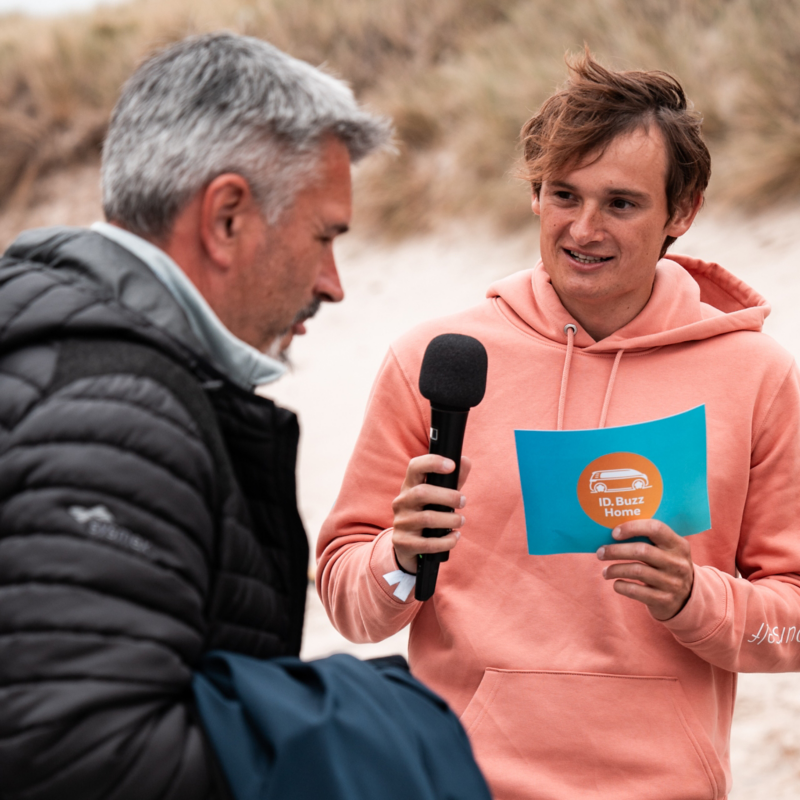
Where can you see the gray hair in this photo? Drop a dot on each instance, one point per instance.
(223, 103)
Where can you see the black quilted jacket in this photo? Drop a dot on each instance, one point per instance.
(141, 524)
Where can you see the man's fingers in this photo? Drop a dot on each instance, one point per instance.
(653, 598)
(419, 544)
(658, 533)
(466, 467)
(411, 516)
(424, 494)
(642, 559)
(420, 466)
(654, 578)
(658, 573)
(409, 544)
(634, 551)
(415, 520)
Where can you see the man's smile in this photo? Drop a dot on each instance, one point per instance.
(582, 258)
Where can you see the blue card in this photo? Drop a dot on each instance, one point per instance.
(577, 486)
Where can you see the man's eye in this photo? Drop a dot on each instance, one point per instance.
(621, 204)
(563, 195)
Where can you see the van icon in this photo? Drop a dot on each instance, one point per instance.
(619, 486)
(618, 480)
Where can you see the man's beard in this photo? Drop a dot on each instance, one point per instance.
(276, 350)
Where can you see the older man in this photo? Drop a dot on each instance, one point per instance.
(578, 679)
(147, 495)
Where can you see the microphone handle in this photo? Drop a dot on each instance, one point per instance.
(447, 438)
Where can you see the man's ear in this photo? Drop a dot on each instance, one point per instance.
(536, 206)
(226, 213)
(684, 216)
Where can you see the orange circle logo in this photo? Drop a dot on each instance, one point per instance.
(620, 487)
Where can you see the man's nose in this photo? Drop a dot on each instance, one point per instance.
(587, 225)
(329, 285)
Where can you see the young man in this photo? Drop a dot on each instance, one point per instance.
(147, 495)
(608, 675)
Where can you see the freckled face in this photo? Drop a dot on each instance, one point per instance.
(603, 225)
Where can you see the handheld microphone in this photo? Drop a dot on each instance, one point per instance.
(453, 378)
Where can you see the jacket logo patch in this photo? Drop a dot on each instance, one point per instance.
(83, 515)
(99, 522)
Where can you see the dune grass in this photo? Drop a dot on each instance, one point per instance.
(458, 76)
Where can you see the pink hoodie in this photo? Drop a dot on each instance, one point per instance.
(568, 690)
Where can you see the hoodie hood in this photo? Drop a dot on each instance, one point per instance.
(691, 300)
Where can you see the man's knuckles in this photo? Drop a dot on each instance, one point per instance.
(417, 520)
(633, 551)
(410, 544)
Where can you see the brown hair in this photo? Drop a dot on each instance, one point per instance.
(598, 105)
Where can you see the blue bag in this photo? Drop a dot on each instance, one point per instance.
(337, 728)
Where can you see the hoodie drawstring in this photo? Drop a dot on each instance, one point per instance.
(570, 330)
(607, 401)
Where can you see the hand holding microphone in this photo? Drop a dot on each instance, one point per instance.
(453, 378)
(411, 516)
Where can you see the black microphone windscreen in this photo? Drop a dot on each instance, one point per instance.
(453, 371)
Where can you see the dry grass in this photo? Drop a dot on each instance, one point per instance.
(458, 76)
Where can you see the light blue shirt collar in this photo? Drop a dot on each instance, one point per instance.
(241, 362)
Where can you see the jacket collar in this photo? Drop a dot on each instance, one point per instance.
(243, 364)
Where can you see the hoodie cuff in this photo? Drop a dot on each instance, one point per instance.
(394, 582)
(705, 611)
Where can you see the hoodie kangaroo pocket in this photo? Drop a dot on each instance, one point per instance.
(558, 735)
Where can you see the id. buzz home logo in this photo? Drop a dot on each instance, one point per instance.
(620, 487)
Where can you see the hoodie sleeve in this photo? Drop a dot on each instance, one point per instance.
(751, 623)
(356, 572)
